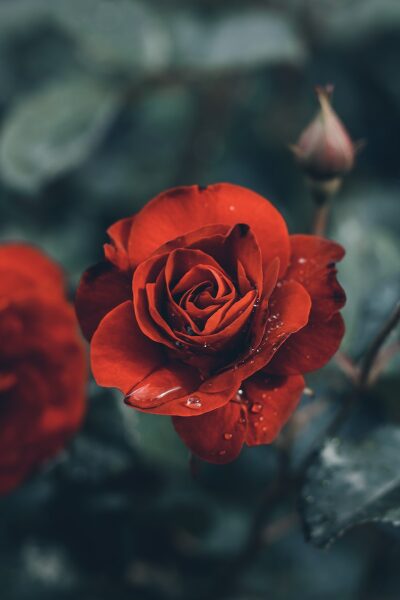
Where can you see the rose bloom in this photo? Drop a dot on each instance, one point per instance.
(42, 363)
(205, 309)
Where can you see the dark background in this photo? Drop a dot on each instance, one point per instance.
(103, 104)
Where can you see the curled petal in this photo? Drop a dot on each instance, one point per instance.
(216, 436)
(117, 251)
(101, 288)
(272, 400)
(289, 310)
(177, 389)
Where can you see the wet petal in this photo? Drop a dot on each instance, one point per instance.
(272, 400)
(217, 436)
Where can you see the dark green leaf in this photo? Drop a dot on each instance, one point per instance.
(350, 484)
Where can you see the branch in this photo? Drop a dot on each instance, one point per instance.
(375, 346)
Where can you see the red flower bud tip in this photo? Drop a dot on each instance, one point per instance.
(325, 150)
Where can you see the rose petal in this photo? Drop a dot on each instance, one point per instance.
(313, 265)
(217, 436)
(101, 288)
(313, 261)
(177, 211)
(117, 251)
(272, 402)
(177, 389)
(121, 355)
(289, 310)
(309, 349)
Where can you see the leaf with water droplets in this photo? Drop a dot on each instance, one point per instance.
(349, 484)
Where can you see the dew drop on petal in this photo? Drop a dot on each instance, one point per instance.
(193, 402)
(228, 436)
(222, 452)
(256, 408)
(302, 260)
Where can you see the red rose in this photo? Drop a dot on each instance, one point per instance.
(207, 310)
(42, 363)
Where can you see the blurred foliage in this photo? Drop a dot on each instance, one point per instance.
(103, 103)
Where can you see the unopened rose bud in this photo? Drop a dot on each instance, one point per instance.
(325, 150)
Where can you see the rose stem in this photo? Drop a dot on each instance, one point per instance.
(321, 218)
(371, 354)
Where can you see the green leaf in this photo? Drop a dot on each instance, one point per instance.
(350, 484)
(240, 40)
(130, 36)
(53, 130)
(126, 34)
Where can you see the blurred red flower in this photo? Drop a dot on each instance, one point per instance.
(205, 309)
(42, 363)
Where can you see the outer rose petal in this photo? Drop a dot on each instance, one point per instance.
(309, 349)
(32, 266)
(101, 288)
(273, 400)
(217, 436)
(313, 261)
(180, 210)
(312, 264)
(121, 355)
(117, 251)
(177, 389)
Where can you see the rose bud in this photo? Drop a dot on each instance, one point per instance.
(42, 364)
(325, 150)
(206, 309)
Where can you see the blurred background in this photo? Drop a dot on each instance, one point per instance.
(105, 103)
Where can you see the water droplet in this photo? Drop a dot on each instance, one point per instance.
(189, 330)
(193, 402)
(279, 284)
(302, 261)
(222, 452)
(265, 429)
(240, 392)
(228, 436)
(179, 344)
(261, 418)
(232, 208)
(256, 408)
(205, 345)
